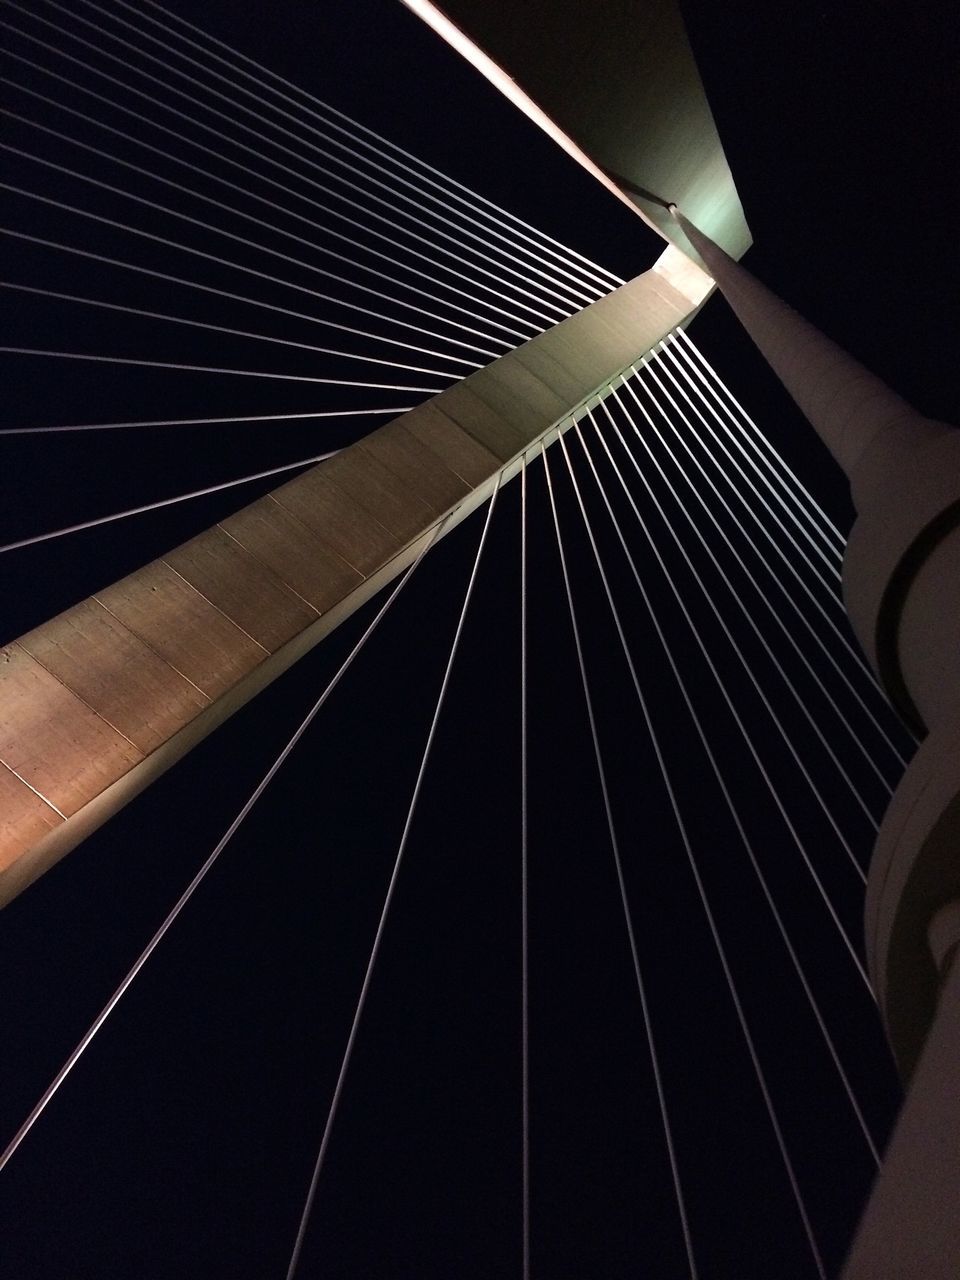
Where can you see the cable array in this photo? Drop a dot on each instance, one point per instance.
(197, 198)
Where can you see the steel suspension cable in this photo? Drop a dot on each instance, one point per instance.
(694, 870)
(198, 879)
(218, 328)
(299, 158)
(748, 670)
(830, 562)
(790, 499)
(193, 422)
(388, 899)
(313, 243)
(621, 882)
(730, 704)
(165, 502)
(389, 149)
(257, 114)
(563, 265)
(239, 297)
(205, 368)
(790, 599)
(762, 445)
(103, 305)
(857, 658)
(718, 774)
(244, 240)
(216, 153)
(223, 262)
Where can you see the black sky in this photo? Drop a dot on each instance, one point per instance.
(184, 1141)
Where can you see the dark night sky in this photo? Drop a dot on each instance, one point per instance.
(184, 1140)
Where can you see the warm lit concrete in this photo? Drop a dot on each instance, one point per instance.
(99, 701)
(614, 82)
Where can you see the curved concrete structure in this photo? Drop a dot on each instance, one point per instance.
(902, 589)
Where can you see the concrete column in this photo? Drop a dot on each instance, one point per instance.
(99, 701)
(911, 1227)
(901, 584)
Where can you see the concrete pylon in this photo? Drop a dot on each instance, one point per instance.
(96, 703)
(902, 591)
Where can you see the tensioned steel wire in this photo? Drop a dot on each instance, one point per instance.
(828, 551)
(679, 379)
(575, 265)
(618, 865)
(711, 755)
(695, 871)
(90, 1034)
(360, 205)
(838, 635)
(372, 178)
(795, 693)
(743, 609)
(848, 679)
(803, 500)
(748, 738)
(388, 899)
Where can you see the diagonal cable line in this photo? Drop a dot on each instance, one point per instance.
(704, 902)
(731, 706)
(165, 502)
(239, 297)
(223, 262)
(103, 1015)
(621, 882)
(824, 649)
(217, 328)
(390, 150)
(815, 534)
(300, 159)
(204, 368)
(218, 154)
(751, 675)
(831, 563)
(312, 243)
(857, 658)
(238, 239)
(372, 179)
(444, 202)
(193, 422)
(774, 461)
(388, 899)
(717, 772)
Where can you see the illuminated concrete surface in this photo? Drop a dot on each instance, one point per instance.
(99, 701)
(615, 83)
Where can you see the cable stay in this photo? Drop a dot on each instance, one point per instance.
(166, 502)
(389, 150)
(89, 1035)
(621, 882)
(387, 902)
(256, 113)
(711, 755)
(793, 603)
(562, 265)
(738, 719)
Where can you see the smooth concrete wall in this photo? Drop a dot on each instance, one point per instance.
(103, 698)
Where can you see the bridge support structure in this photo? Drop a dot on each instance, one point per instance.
(901, 575)
(98, 702)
